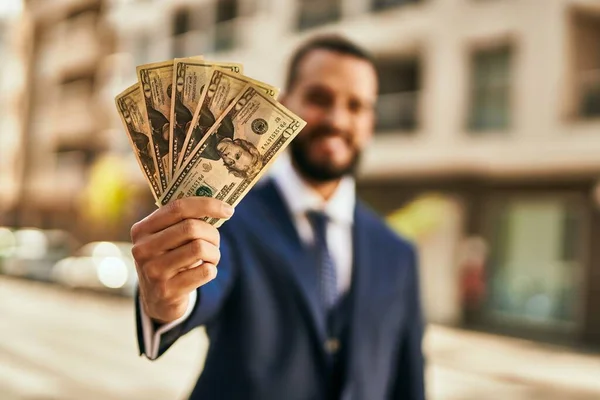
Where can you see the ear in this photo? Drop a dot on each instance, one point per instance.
(372, 127)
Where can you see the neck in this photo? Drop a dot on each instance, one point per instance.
(324, 189)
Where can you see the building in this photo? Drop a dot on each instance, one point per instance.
(12, 95)
(66, 130)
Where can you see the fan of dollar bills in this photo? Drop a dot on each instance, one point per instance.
(201, 128)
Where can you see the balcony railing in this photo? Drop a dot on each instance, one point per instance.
(589, 89)
(397, 111)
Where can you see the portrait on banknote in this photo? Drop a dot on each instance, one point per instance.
(240, 156)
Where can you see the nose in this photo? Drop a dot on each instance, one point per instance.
(338, 117)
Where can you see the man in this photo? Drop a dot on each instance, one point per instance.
(314, 297)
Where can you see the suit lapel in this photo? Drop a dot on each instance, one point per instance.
(275, 216)
(363, 287)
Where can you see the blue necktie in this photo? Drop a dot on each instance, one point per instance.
(327, 272)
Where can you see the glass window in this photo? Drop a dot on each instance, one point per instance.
(490, 89)
(181, 22)
(399, 86)
(385, 4)
(586, 36)
(226, 10)
(535, 262)
(225, 32)
(313, 13)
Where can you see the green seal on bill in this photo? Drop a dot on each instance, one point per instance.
(204, 191)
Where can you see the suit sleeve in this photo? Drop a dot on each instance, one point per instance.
(208, 303)
(409, 379)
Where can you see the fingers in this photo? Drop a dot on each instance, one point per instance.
(194, 278)
(169, 264)
(179, 210)
(175, 236)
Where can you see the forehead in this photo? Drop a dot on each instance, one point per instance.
(341, 72)
(230, 146)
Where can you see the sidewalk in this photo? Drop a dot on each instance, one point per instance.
(466, 365)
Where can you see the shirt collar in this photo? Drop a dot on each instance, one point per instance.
(301, 198)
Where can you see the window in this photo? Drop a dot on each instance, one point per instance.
(586, 36)
(189, 30)
(227, 11)
(490, 89)
(378, 5)
(313, 13)
(399, 85)
(181, 26)
(535, 260)
(181, 22)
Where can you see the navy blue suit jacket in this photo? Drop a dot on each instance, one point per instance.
(267, 331)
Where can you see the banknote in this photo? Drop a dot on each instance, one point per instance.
(189, 79)
(224, 86)
(155, 81)
(131, 108)
(228, 162)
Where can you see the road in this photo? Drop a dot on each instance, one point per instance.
(58, 344)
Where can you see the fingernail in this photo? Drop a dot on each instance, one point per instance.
(228, 210)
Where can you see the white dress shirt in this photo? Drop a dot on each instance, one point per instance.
(300, 198)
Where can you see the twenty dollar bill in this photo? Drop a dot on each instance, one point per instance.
(155, 81)
(223, 88)
(131, 108)
(228, 162)
(190, 77)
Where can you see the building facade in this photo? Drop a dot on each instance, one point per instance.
(69, 145)
(12, 97)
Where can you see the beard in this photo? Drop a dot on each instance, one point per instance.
(322, 170)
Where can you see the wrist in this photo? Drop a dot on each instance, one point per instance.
(161, 314)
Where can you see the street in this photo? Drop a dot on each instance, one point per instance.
(59, 344)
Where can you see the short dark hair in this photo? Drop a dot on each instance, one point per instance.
(330, 42)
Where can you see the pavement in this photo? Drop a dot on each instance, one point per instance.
(59, 344)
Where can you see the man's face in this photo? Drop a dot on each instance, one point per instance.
(234, 156)
(335, 94)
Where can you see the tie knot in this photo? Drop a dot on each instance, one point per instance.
(318, 220)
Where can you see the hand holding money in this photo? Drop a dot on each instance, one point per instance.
(175, 252)
(203, 134)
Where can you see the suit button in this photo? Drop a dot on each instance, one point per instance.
(332, 345)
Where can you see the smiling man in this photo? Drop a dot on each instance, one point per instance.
(315, 298)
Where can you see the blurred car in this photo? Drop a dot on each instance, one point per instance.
(31, 252)
(106, 266)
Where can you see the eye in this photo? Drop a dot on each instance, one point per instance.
(319, 97)
(238, 155)
(355, 106)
